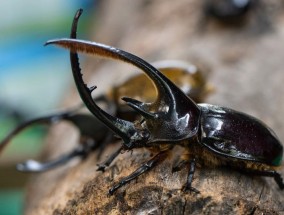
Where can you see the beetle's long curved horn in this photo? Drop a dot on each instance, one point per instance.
(172, 106)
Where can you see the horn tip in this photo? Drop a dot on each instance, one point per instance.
(49, 42)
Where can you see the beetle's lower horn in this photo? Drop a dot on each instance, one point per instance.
(140, 107)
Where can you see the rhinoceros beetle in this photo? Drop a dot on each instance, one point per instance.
(94, 135)
(210, 134)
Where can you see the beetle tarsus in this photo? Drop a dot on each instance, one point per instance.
(190, 189)
(158, 158)
(106, 163)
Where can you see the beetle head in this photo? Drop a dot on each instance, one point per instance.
(173, 116)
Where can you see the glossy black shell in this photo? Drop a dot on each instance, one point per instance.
(237, 135)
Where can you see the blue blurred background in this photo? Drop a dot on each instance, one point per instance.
(33, 80)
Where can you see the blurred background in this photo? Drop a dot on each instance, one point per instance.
(30, 85)
(245, 60)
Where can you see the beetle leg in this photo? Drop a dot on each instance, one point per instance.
(158, 158)
(106, 163)
(87, 145)
(41, 120)
(278, 179)
(267, 173)
(187, 186)
(35, 166)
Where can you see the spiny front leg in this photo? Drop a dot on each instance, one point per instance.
(157, 159)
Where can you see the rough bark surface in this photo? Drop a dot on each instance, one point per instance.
(246, 67)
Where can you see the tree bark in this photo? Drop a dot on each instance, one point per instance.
(246, 67)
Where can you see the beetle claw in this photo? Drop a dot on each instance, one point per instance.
(190, 190)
